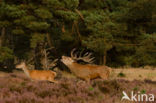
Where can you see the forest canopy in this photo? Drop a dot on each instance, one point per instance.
(118, 32)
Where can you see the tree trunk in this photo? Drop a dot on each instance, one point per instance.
(101, 59)
(104, 57)
(78, 32)
(2, 36)
(49, 40)
(38, 57)
(50, 43)
(44, 60)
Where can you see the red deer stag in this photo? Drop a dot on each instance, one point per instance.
(88, 71)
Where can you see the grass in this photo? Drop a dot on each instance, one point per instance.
(134, 74)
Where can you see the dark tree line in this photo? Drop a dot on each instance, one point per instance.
(118, 32)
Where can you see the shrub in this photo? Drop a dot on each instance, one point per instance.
(121, 74)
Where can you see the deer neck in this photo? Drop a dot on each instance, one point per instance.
(26, 71)
(73, 67)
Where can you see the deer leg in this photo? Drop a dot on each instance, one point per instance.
(52, 80)
(55, 81)
(87, 79)
(103, 76)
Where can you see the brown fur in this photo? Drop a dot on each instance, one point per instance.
(38, 74)
(88, 71)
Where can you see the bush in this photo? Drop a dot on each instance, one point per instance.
(121, 74)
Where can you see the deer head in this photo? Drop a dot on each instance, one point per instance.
(75, 57)
(67, 60)
(21, 65)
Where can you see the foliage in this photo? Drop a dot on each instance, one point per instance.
(5, 54)
(119, 31)
(121, 74)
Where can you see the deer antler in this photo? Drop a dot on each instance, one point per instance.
(86, 57)
(73, 56)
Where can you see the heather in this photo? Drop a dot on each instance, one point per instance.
(17, 88)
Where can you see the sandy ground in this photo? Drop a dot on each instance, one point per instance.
(135, 74)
